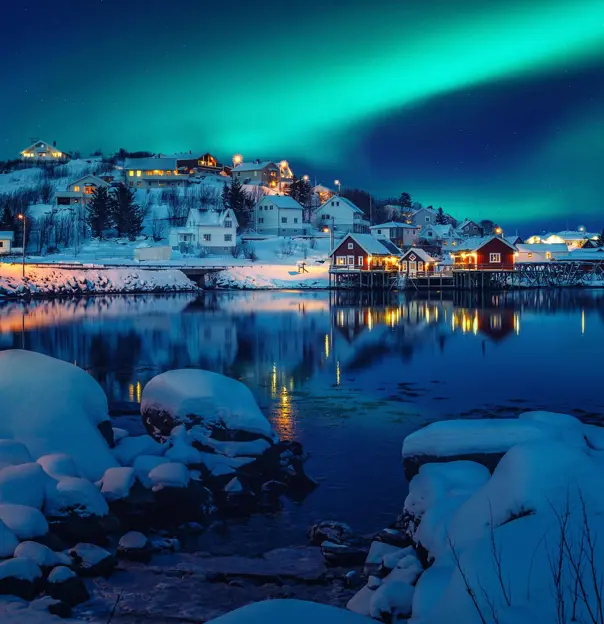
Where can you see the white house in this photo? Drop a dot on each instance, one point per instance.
(342, 214)
(402, 235)
(6, 242)
(279, 215)
(540, 252)
(41, 151)
(79, 191)
(213, 230)
(424, 217)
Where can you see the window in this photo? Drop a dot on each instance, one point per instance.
(324, 217)
(420, 266)
(337, 203)
(168, 172)
(295, 219)
(430, 234)
(350, 260)
(271, 207)
(360, 260)
(148, 173)
(260, 220)
(88, 190)
(548, 255)
(131, 174)
(207, 238)
(76, 189)
(453, 243)
(341, 260)
(530, 255)
(494, 258)
(139, 174)
(379, 231)
(1, 244)
(228, 224)
(283, 219)
(350, 246)
(427, 219)
(404, 265)
(228, 238)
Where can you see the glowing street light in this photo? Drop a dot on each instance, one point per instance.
(237, 159)
(306, 178)
(498, 231)
(22, 218)
(338, 184)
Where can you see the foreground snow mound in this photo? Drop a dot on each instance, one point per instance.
(223, 406)
(23, 485)
(51, 406)
(24, 522)
(520, 546)
(290, 611)
(74, 495)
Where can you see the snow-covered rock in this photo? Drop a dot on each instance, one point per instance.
(181, 449)
(58, 465)
(391, 601)
(128, 449)
(20, 577)
(13, 453)
(92, 560)
(25, 522)
(377, 552)
(64, 584)
(8, 541)
(170, 475)
(144, 464)
(119, 434)
(23, 485)
(135, 546)
(117, 483)
(42, 555)
(224, 407)
(74, 495)
(52, 406)
(290, 611)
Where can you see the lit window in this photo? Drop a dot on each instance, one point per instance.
(148, 173)
(175, 171)
(207, 237)
(548, 255)
(168, 172)
(228, 238)
(530, 255)
(88, 190)
(76, 189)
(139, 174)
(494, 258)
(453, 243)
(350, 246)
(405, 265)
(341, 260)
(131, 173)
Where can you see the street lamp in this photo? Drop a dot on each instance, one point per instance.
(23, 218)
(237, 159)
(498, 231)
(306, 178)
(337, 183)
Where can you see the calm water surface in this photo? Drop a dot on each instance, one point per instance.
(348, 375)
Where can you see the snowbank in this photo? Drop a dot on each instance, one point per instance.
(51, 406)
(274, 276)
(51, 281)
(198, 397)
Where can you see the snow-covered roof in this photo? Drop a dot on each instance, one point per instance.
(573, 235)
(282, 201)
(208, 217)
(344, 201)
(420, 253)
(254, 166)
(94, 179)
(52, 147)
(542, 247)
(440, 231)
(150, 163)
(466, 222)
(391, 247)
(393, 224)
(369, 244)
(5, 235)
(476, 242)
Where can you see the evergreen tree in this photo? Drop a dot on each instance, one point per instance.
(441, 218)
(98, 212)
(127, 215)
(226, 197)
(294, 189)
(405, 200)
(240, 203)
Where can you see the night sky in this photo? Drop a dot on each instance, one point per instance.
(490, 108)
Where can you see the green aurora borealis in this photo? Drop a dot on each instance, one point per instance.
(322, 83)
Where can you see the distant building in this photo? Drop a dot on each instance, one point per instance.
(200, 164)
(6, 242)
(487, 252)
(468, 229)
(322, 193)
(40, 151)
(79, 191)
(402, 235)
(417, 260)
(540, 252)
(342, 214)
(363, 252)
(155, 172)
(424, 217)
(574, 239)
(212, 229)
(259, 173)
(441, 236)
(279, 215)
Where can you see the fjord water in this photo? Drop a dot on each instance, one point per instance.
(347, 374)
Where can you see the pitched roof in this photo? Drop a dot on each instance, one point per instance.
(95, 179)
(6, 235)
(441, 230)
(52, 147)
(542, 247)
(391, 247)
(150, 163)
(369, 244)
(466, 222)
(420, 253)
(344, 201)
(475, 243)
(283, 201)
(393, 224)
(254, 166)
(208, 217)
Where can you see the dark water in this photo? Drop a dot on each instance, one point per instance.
(347, 375)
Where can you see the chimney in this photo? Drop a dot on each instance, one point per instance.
(190, 151)
(54, 143)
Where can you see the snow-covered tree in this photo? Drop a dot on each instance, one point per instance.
(99, 212)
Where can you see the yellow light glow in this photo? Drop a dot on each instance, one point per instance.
(582, 322)
(305, 178)
(283, 164)
(475, 324)
(337, 373)
(131, 174)
(517, 323)
(76, 189)
(369, 320)
(139, 174)
(237, 159)
(326, 346)
(139, 391)
(274, 381)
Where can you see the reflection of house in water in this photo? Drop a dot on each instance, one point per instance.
(496, 323)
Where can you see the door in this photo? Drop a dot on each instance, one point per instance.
(412, 268)
(351, 261)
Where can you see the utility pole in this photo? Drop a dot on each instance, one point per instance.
(23, 218)
(331, 235)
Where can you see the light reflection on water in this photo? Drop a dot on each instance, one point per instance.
(347, 374)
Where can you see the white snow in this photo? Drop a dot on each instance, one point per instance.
(24, 522)
(217, 399)
(58, 465)
(23, 485)
(233, 486)
(119, 434)
(74, 493)
(290, 611)
(181, 449)
(117, 483)
(144, 464)
(8, 541)
(220, 464)
(133, 541)
(60, 574)
(378, 551)
(52, 406)
(24, 569)
(90, 554)
(13, 453)
(129, 448)
(252, 448)
(361, 602)
(171, 474)
(42, 555)
(392, 598)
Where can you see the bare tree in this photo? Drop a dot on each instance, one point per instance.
(157, 227)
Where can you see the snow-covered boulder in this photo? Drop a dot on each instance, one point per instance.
(23, 485)
(51, 406)
(64, 584)
(117, 483)
(135, 546)
(170, 475)
(25, 522)
(92, 560)
(8, 541)
(128, 449)
(290, 611)
(144, 464)
(42, 555)
(74, 495)
(58, 465)
(391, 601)
(223, 407)
(20, 577)
(485, 441)
(13, 453)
